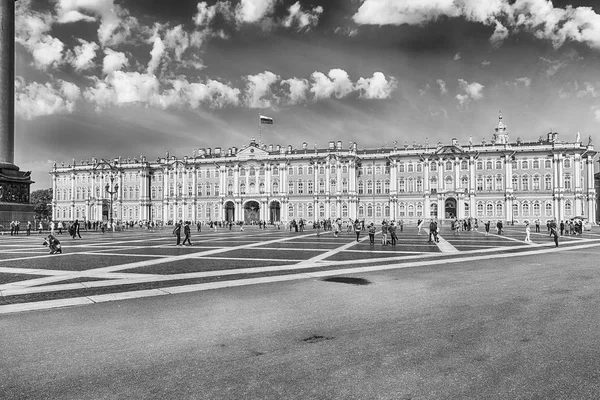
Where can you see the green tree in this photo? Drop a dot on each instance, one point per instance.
(42, 201)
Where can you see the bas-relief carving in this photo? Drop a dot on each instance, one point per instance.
(14, 193)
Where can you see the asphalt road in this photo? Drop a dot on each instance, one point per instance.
(518, 328)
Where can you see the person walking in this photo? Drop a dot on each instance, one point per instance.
(76, 229)
(527, 232)
(419, 226)
(40, 227)
(187, 231)
(487, 228)
(177, 232)
(357, 228)
(28, 228)
(562, 228)
(499, 227)
(554, 234)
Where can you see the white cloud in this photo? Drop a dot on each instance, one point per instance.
(304, 19)
(214, 93)
(525, 81)
(337, 83)
(177, 40)
(298, 88)
(589, 89)
(206, 13)
(442, 86)
(485, 63)
(539, 17)
(457, 56)
(115, 22)
(472, 91)
(251, 11)
(47, 52)
(36, 99)
(258, 87)
(377, 87)
(156, 54)
(84, 55)
(113, 61)
(597, 113)
(123, 88)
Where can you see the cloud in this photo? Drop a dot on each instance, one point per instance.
(37, 99)
(258, 87)
(336, 82)
(251, 11)
(156, 54)
(590, 90)
(303, 19)
(442, 86)
(115, 23)
(126, 88)
(377, 87)
(206, 13)
(298, 88)
(83, 56)
(113, 61)
(31, 31)
(554, 66)
(47, 52)
(525, 81)
(472, 91)
(538, 17)
(485, 63)
(457, 56)
(177, 40)
(596, 112)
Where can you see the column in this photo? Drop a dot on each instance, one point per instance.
(352, 178)
(327, 182)
(7, 82)
(457, 180)
(53, 196)
(72, 199)
(236, 181)
(338, 178)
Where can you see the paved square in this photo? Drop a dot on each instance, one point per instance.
(138, 262)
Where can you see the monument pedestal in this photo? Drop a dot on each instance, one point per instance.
(14, 196)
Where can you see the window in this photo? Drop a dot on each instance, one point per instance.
(499, 209)
(230, 172)
(242, 188)
(300, 210)
(290, 171)
(498, 164)
(515, 165)
(464, 165)
(525, 209)
(515, 183)
(488, 183)
(378, 187)
(275, 171)
(467, 213)
(568, 208)
(345, 171)
(524, 165)
(190, 190)
(309, 170)
(433, 210)
(536, 164)
(488, 164)
(291, 187)
(411, 210)
(448, 165)
(547, 164)
(479, 209)
(369, 170)
(300, 170)
(548, 208)
(386, 186)
(322, 210)
(291, 211)
(369, 187)
(400, 167)
(410, 187)
(275, 187)
(536, 209)
(361, 211)
(243, 171)
(261, 188)
(479, 165)
(433, 166)
(567, 182)
(369, 210)
(515, 209)
(525, 183)
(402, 210)
(489, 210)
(499, 182)
(300, 187)
(449, 183)
(321, 186)
(479, 183)
(361, 187)
(567, 163)
(310, 187)
(536, 182)
(401, 187)
(322, 170)
(217, 189)
(548, 182)
(410, 168)
(344, 210)
(419, 185)
(345, 185)
(230, 189)
(419, 167)
(309, 211)
(434, 183)
(332, 170)
(378, 210)
(378, 170)
(464, 182)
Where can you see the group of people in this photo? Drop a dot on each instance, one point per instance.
(15, 227)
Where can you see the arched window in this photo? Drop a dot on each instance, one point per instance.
(321, 210)
(300, 210)
(275, 187)
(309, 211)
(243, 188)
(378, 170)
(449, 183)
(488, 183)
(378, 187)
(479, 165)
(291, 210)
(536, 209)
(378, 211)
(499, 209)
(419, 209)
(300, 170)
(536, 164)
(568, 208)
(208, 189)
(467, 209)
(275, 171)
(131, 193)
(411, 210)
(369, 170)
(536, 182)
(333, 211)
(369, 187)
(322, 170)
(309, 171)
(361, 211)
(419, 184)
(345, 169)
(433, 210)
(515, 165)
(464, 182)
(433, 183)
(548, 208)
(369, 210)
(515, 209)
(525, 209)
(547, 164)
(480, 209)
(464, 165)
(479, 183)
(567, 163)
(300, 186)
(400, 167)
(230, 189)
(290, 171)
(261, 187)
(252, 171)
(344, 210)
(489, 210)
(230, 172)
(567, 182)
(410, 168)
(448, 165)
(524, 164)
(488, 164)
(498, 164)
(499, 182)
(419, 167)
(402, 210)
(386, 186)
(243, 171)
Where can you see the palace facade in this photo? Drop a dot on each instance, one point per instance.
(497, 180)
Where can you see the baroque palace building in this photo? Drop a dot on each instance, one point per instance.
(496, 180)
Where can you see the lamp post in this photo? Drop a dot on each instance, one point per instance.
(111, 193)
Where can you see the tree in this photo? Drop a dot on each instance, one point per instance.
(42, 201)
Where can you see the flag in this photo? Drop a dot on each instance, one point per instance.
(266, 120)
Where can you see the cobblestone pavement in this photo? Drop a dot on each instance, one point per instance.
(140, 263)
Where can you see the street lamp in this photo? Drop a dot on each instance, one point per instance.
(112, 192)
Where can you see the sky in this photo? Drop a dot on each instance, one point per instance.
(110, 78)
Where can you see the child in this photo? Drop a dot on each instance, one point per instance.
(54, 244)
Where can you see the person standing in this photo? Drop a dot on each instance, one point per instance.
(401, 225)
(199, 226)
(562, 228)
(187, 231)
(419, 226)
(392, 230)
(537, 225)
(384, 233)
(177, 232)
(372, 231)
(40, 227)
(28, 228)
(499, 227)
(487, 228)
(527, 232)
(357, 228)
(77, 229)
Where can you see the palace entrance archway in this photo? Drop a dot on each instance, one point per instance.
(229, 212)
(251, 212)
(275, 212)
(450, 208)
